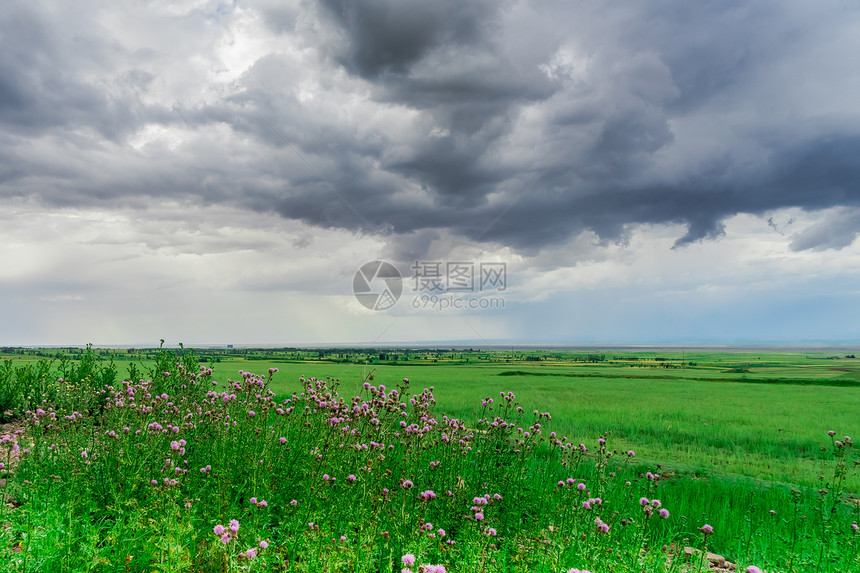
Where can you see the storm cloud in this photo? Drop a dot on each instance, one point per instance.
(521, 124)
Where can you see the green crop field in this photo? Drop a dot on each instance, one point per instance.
(739, 439)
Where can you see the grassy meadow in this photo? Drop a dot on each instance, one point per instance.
(300, 460)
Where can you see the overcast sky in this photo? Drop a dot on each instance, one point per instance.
(658, 171)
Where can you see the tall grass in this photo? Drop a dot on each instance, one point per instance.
(175, 471)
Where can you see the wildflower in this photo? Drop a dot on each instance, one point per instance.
(854, 526)
(643, 501)
(664, 513)
(753, 569)
(234, 525)
(408, 560)
(263, 503)
(219, 529)
(479, 516)
(254, 500)
(707, 529)
(581, 487)
(491, 532)
(84, 455)
(294, 503)
(350, 478)
(283, 440)
(251, 553)
(225, 538)
(264, 544)
(252, 413)
(174, 445)
(406, 484)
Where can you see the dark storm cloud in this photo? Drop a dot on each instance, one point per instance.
(387, 37)
(43, 69)
(521, 123)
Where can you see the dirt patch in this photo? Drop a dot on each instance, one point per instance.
(691, 555)
(11, 432)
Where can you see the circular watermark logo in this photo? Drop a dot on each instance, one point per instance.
(377, 285)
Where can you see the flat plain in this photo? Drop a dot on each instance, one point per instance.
(744, 440)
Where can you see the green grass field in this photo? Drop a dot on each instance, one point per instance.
(759, 413)
(739, 438)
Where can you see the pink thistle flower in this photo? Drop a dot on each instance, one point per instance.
(479, 516)
(219, 529)
(707, 529)
(753, 569)
(254, 500)
(664, 513)
(234, 525)
(283, 440)
(264, 544)
(252, 413)
(225, 538)
(408, 560)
